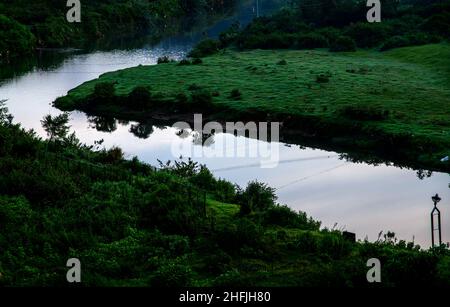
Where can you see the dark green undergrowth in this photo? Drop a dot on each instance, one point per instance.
(42, 23)
(131, 224)
(393, 105)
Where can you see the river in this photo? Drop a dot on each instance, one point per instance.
(360, 198)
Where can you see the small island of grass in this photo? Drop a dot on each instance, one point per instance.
(394, 104)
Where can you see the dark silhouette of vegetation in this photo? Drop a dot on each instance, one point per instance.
(131, 224)
(205, 48)
(342, 26)
(25, 25)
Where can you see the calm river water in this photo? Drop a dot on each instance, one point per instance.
(361, 198)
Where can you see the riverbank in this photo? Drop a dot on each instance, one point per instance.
(25, 26)
(392, 106)
(133, 225)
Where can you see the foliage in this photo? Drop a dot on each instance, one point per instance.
(15, 39)
(365, 77)
(56, 126)
(205, 48)
(343, 44)
(132, 225)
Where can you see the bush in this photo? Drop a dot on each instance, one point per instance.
(181, 98)
(114, 155)
(15, 39)
(184, 62)
(197, 61)
(194, 87)
(164, 60)
(140, 97)
(172, 274)
(323, 78)
(438, 24)
(343, 44)
(361, 112)
(230, 35)
(368, 35)
(415, 39)
(236, 94)
(205, 48)
(104, 91)
(256, 197)
(285, 217)
(311, 41)
(202, 98)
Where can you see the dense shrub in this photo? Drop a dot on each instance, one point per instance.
(104, 91)
(205, 48)
(367, 35)
(311, 41)
(256, 197)
(184, 62)
(415, 39)
(362, 112)
(323, 78)
(201, 98)
(286, 217)
(163, 60)
(236, 94)
(343, 43)
(15, 39)
(140, 98)
(197, 61)
(438, 24)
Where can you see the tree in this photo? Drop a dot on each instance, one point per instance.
(56, 127)
(5, 117)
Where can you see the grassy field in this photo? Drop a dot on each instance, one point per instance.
(403, 92)
(133, 225)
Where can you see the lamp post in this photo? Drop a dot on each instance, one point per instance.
(436, 199)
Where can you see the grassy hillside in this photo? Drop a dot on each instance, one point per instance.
(133, 225)
(401, 97)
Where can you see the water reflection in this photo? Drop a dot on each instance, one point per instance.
(103, 124)
(361, 197)
(142, 130)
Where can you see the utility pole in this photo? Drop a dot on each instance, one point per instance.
(257, 8)
(436, 213)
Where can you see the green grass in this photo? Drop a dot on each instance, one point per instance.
(411, 84)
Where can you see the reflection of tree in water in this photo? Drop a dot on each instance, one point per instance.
(123, 122)
(422, 174)
(142, 130)
(103, 124)
(198, 138)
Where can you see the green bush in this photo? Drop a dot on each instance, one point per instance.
(205, 48)
(236, 94)
(172, 275)
(343, 44)
(323, 78)
(285, 217)
(202, 98)
(368, 35)
(364, 113)
(184, 62)
(256, 197)
(15, 39)
(415, 39)
(104, 91)
(140, 98)
(197, 61)
(311, 41)
(163, 60)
